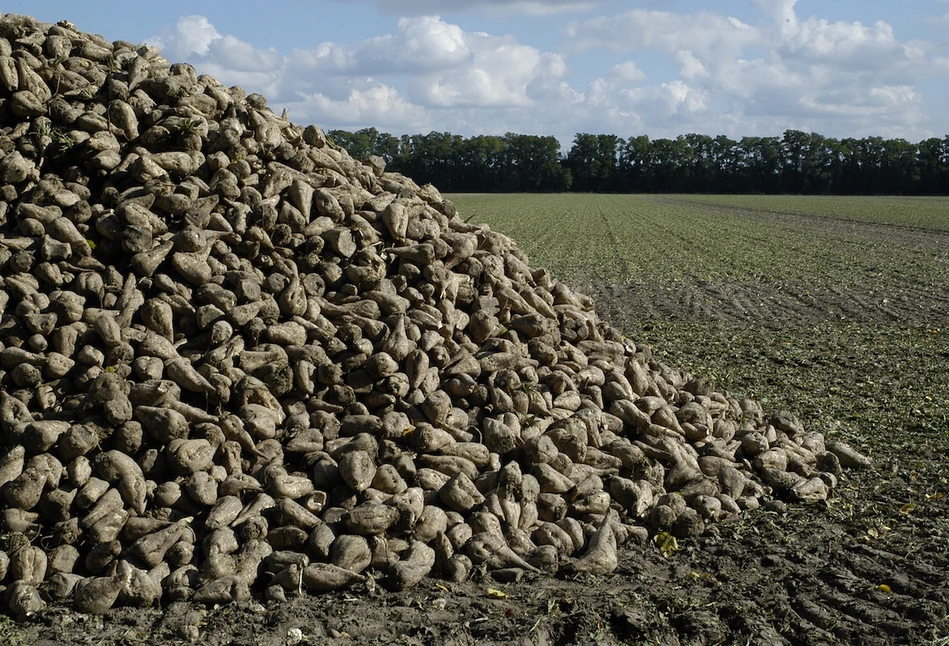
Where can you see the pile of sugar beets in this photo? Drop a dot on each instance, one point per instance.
(236, 361)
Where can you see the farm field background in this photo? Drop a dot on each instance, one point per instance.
(834, 308)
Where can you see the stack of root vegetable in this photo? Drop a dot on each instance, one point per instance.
(236, 361)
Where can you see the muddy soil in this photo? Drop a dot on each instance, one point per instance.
(869, 567)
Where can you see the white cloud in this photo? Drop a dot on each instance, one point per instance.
(531, 7)
(782, 13)
(195, 36)
(192, 35)
(626, 72)
(659, 102)
(704, 33)
(420, 44)
(499, 74)
(376, 103)
(845, 45)
(690, 65)
(237, 54)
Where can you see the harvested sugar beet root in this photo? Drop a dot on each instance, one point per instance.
(236, 361)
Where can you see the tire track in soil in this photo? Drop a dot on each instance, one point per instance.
(617, 247)
(749, 589)
(768, 305)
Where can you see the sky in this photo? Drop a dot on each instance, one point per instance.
(847, 68)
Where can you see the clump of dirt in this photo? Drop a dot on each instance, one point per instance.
(239, 365)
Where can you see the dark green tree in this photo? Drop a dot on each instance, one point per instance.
(593, 162)
(634, 160)
(933, 163)
(535, 164)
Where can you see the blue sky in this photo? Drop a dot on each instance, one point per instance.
(559, 67)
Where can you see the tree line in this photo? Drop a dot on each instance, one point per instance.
(797, 162)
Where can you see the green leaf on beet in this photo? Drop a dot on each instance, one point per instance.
(666, 543)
